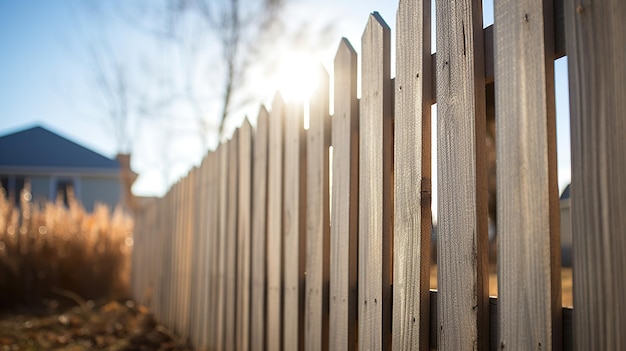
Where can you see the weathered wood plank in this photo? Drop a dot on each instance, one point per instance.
(209, 217)
(220, 318)
(231, 243)
(244, 207)
(259, 212)
(493, 311)
(197, 258)
(463, 275)
(596, 46)
(412, 217)
(375, 189)
(344, 212)
(274, 225)
(529, 275)
(214, 225)
(559, 46)
(317, 218)
(294, 197)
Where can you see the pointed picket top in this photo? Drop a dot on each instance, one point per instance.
(375, 168)
(344, 206)
(278, 102)
(345, 49)
(374, 21)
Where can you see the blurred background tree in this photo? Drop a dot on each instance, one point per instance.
(184, 73)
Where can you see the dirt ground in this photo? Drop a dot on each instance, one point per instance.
(105, 326)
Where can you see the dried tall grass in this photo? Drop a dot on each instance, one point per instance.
(47, 246)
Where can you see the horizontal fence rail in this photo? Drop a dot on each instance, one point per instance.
(276, 243)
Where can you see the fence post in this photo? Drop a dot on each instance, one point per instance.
(412, 214)
(596, 47)
(462, 253)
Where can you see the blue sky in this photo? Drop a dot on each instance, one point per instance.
(43, 71)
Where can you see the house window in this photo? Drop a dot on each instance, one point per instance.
(13, 186)
(63, 189)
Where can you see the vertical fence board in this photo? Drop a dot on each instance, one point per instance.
(412, 219)
(529, 296)
(462, 205)
(259, 212)
(174, 297)
(375, 197)
(596, 47)
(220, 318)
(274, 226)
(207, 220)
(293, 228)
(186, 254)
(317, 219)
(214, 225)
(195, 259)
(344, 212)
(231, 243)
(243, 236)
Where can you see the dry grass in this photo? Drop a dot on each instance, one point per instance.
(48, 247)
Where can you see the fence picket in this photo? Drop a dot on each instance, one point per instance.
(241, 252)
(293, 228)
(231, 243)
(596, 44)
(222, 231)
(274, 226)
(529, 276)
(213, 218)
(259, 230)
(243, 236)
(317, 219)
(344, 212)
(375, 189)
(412, 214)
(462, 205)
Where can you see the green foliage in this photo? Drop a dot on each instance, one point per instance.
(48, 247)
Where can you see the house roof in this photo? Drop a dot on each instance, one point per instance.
(39, 148)
(566, 192)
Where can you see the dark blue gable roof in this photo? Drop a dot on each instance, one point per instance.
(39, 147)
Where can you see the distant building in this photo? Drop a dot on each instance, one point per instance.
(566, 227)
(53, 164)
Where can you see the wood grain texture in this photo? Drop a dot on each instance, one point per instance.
(596, 46)
(375, 189)
(294, 200)
(211, 218)
(274, 226)
(220, 318)
(462, 205)
(317, 218)
(412, 217)
(344, 211)
(244, 207)
(231, 243)
(259, 221)
(195, 257)
(529, 275)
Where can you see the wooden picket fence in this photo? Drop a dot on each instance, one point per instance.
(252, 250)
